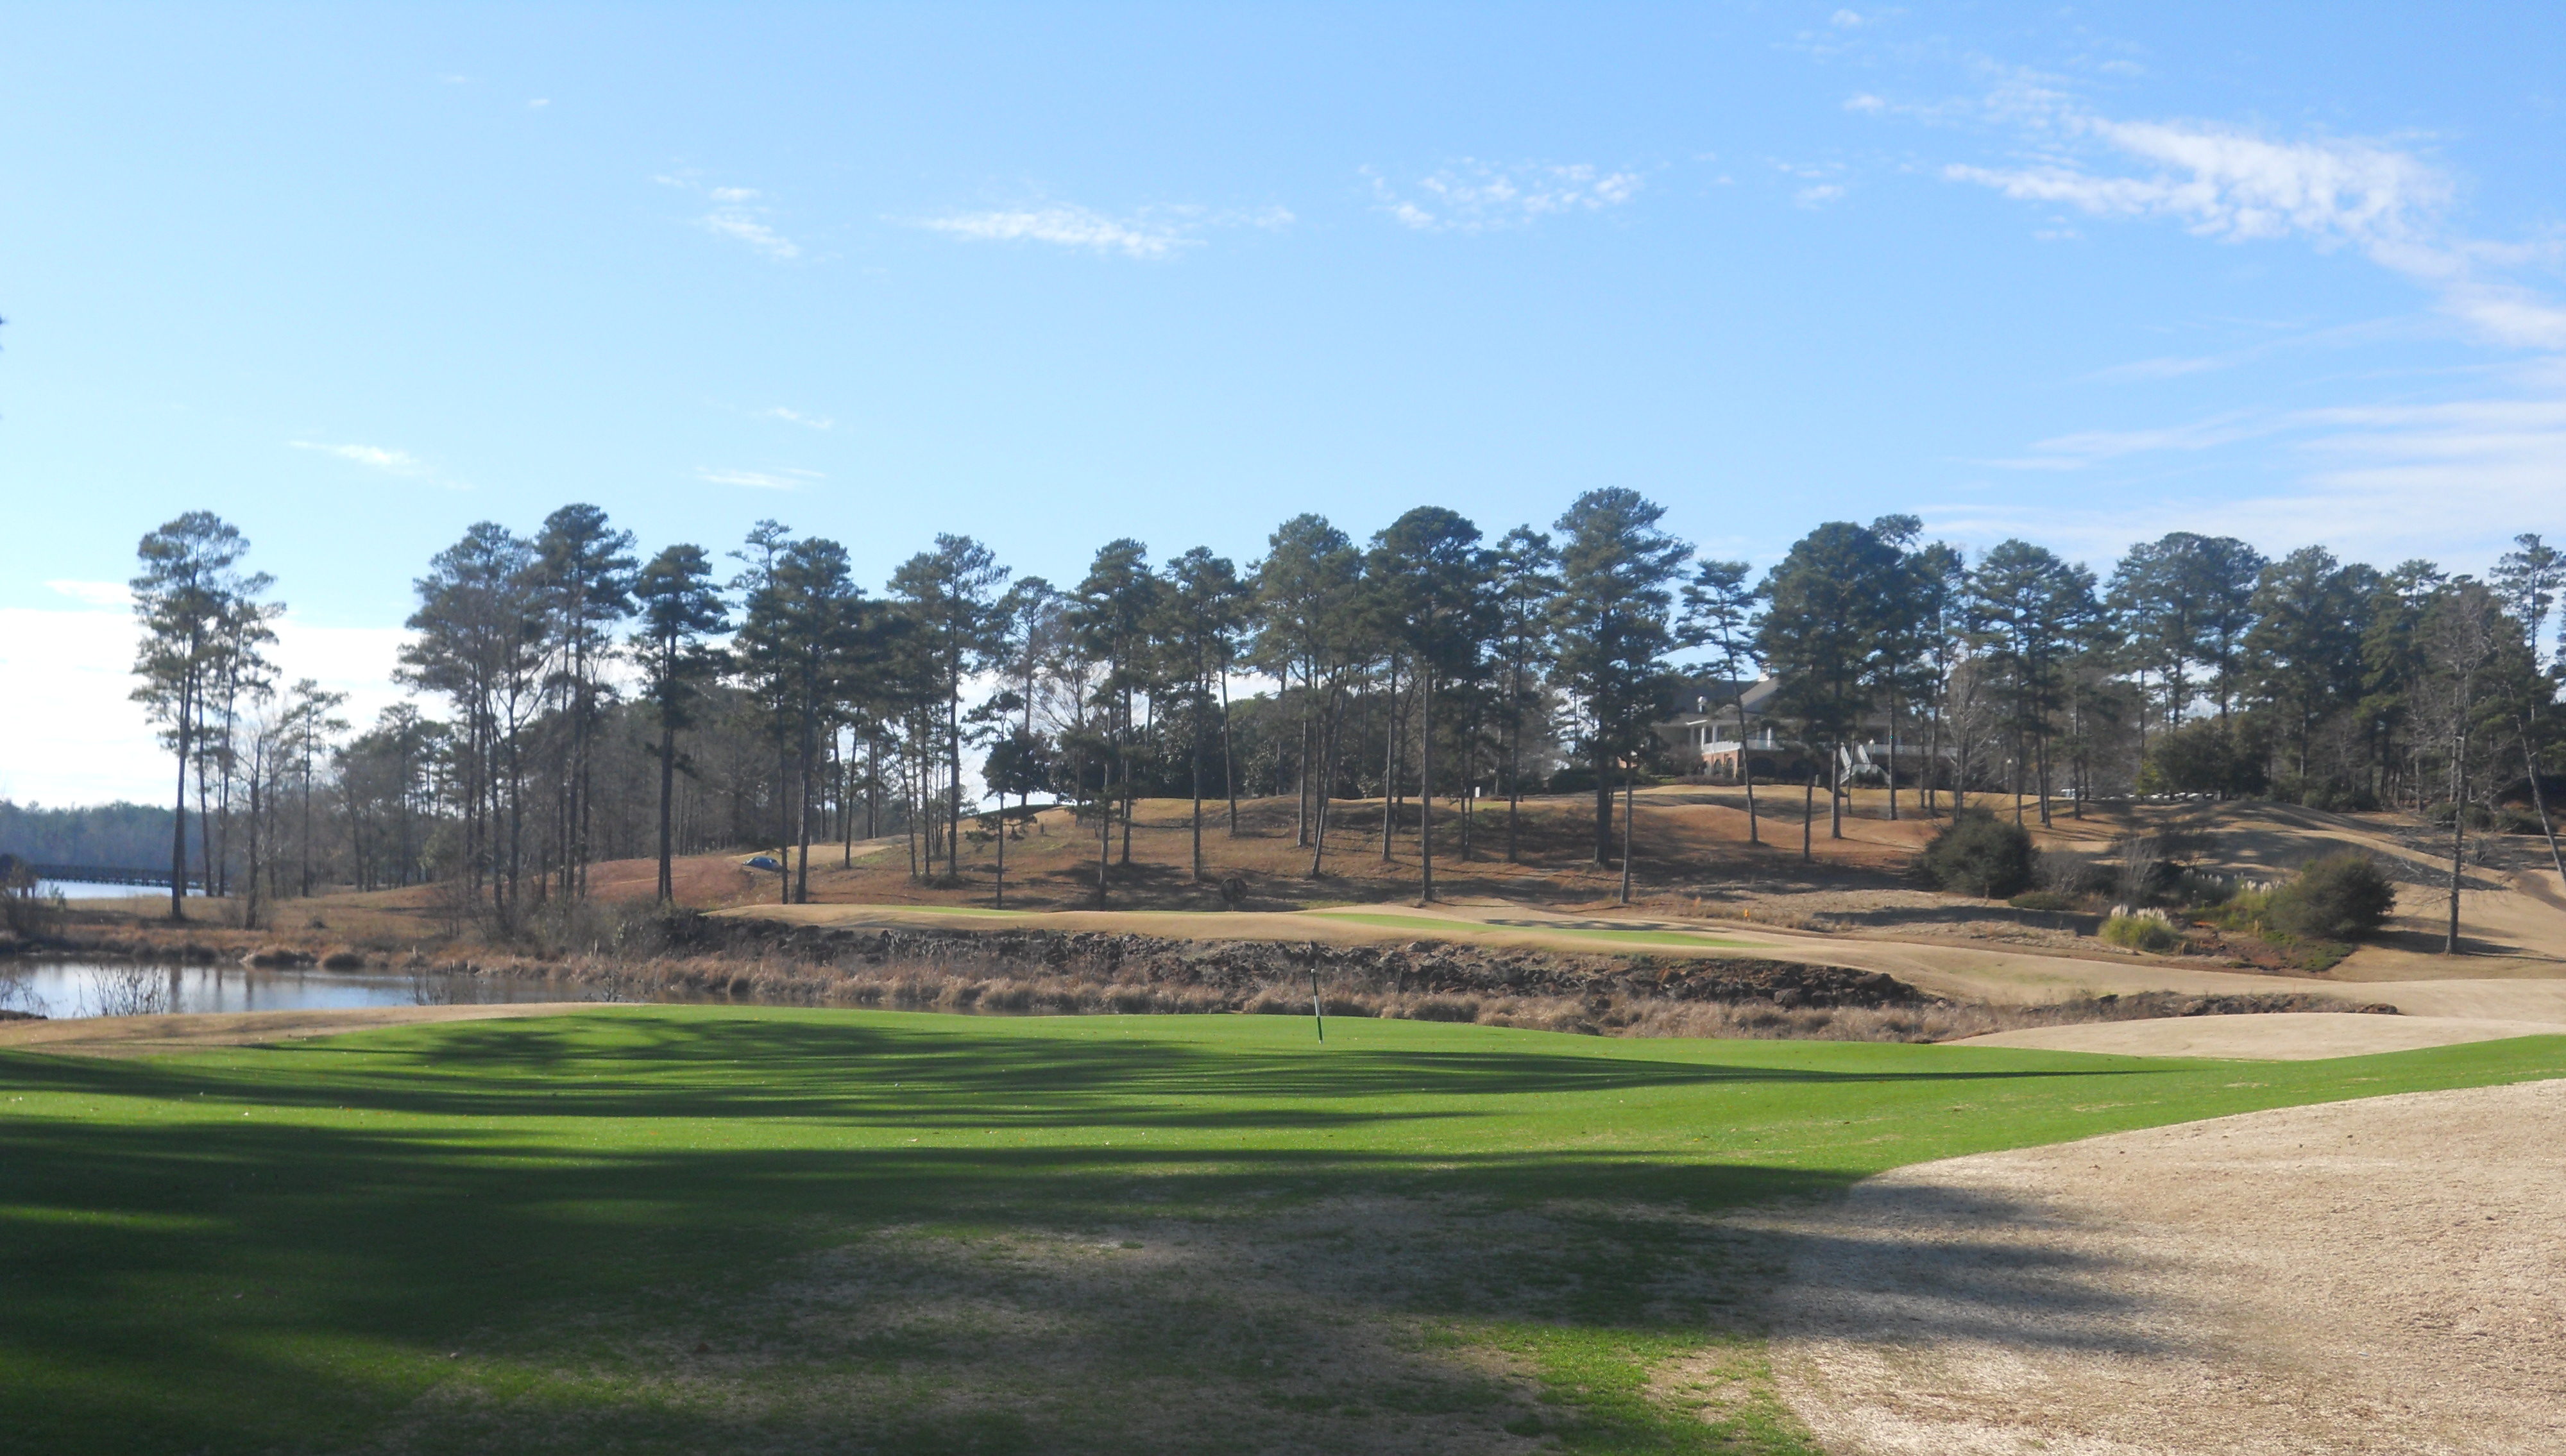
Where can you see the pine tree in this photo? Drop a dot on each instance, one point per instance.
(680, 608)
(185, 594)
(1616, 573)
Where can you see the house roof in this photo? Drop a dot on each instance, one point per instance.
(1720, 693)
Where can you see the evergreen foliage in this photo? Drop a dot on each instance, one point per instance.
(2343, 897)
(578, 706)
(1979, 853)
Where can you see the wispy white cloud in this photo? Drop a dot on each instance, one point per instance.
(736, 214)
(2380, 484)
(2238, 185)
(1477, 196)
(795, 416)
(95, 593)
(377, 457)
(1820, 182)
(2223, 182)
(782, 478)
(2284, 339)
(1063, 225)
(2450, 478)
(400, 463)
(2085, 448)
(1151, 234)
(733, 222)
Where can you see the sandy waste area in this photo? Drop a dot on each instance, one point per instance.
(2379, 1276)
(2289, 1036)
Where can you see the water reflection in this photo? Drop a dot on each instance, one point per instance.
(79, 989)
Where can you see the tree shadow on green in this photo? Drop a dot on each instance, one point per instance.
(465, 1233)
(853, 1074)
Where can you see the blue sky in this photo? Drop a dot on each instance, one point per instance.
(355, 277)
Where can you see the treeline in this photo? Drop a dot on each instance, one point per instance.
(2197, 666)
(594, 702)
(118, 836)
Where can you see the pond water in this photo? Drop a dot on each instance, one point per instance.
(78, 989)
(82, 889)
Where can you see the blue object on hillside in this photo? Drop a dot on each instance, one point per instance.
(766, 861)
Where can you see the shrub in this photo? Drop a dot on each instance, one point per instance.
(2043, 899)
(2246, 909)
(27, 913)
(1979, 853)
(2139, 932)
(2343, 897)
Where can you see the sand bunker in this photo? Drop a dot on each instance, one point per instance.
(2378, 1276)
(2297, 1035)
(135, 1036)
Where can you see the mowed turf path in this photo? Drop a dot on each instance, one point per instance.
(695, 1228)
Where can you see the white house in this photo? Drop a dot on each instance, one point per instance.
(1718, 742)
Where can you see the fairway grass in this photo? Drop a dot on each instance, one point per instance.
(646, 1228)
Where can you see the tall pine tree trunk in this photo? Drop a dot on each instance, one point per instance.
(1425, 782)
(2040, 744)
(1301, 800)
(179, 819)
(1193, 751)
(1127, 794)
(1514, 760)
(1332, 725)
(1835, 792)
(1103, 844)
(2540, 801)
(1229, 764)
(1630, 814)
(2458, 832)
(668, 791)
(802, 860)
(1892, 758)
(1808, 815)
(953, 760)
(1602, 761)
(1390, 759)
(1746, 767)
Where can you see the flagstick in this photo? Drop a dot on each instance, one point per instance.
(1318, 1016)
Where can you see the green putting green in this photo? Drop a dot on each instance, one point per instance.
(711, 1228)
